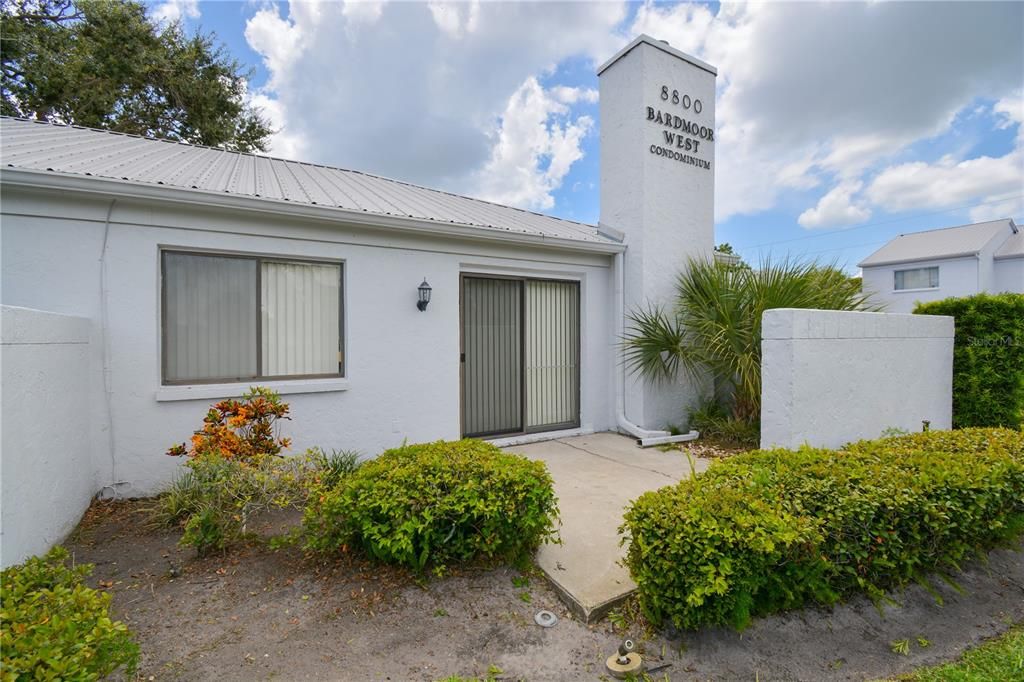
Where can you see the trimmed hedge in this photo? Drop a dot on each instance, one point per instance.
(988, 358)
(780, 529)
(53, 627)
(435, 504)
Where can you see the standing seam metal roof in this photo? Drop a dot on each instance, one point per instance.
(964, 240)
(73, 150)
(1012, 247)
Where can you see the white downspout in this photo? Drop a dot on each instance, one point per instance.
(644, 437)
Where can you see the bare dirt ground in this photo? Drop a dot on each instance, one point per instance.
(254, 613)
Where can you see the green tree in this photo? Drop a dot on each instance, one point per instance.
(715, 322)
(103, 64)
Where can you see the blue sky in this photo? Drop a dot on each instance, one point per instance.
(839, 126)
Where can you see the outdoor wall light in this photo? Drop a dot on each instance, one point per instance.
(424, 295)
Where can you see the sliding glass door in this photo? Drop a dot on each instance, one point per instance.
(520, 355)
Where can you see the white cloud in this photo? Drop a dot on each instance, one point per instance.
(434, 93)
(287, 142)
(534, 149)
(837, 208)
(174, 10)
(947, 182)
(455, 18)
(809, 95)
(1010, 109)
(820, 94)
(362, 11)
(279, 42)
(569, 95)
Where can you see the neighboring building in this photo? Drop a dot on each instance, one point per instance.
(937, 264)
(168, 276)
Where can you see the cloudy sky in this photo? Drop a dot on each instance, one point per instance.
(839, 125)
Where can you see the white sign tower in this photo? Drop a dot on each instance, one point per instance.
(658, 189)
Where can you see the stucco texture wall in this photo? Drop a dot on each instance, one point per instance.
(829, 378)
(45, 467)
(663, 206)
(61, 253)
(957, 277)
(1009, 275)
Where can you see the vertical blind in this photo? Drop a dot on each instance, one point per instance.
(230, 318)
(552, 341)
(918, 278)
(492, 391)
(301, 310)
(209, 317)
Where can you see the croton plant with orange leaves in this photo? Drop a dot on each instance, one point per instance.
(240, 429)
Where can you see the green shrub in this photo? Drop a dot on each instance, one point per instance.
(988, 358)
(437, 503)
(235, 472)
(52, 627)
(215, 498)
(772, 530)
(334, 466)
(714, 421)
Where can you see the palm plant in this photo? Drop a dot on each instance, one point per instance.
(715, 322)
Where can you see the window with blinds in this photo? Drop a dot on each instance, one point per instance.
(234, 318)
(918, 278)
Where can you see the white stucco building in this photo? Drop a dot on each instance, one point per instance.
(143, 280)
(954, 261)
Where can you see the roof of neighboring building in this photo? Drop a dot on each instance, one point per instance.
(949, 242)
(1013, 247)
(72, 150)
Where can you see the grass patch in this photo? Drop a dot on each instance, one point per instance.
(1001, 658)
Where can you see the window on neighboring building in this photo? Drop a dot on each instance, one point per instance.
(232, 318)
(918, 278)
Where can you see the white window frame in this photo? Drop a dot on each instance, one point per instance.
(297, 381)
(906, 270)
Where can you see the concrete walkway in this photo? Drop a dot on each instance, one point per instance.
(596, 477)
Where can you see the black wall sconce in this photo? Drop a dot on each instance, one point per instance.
(424, 291)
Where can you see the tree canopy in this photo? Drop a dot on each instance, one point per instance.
(103, 64)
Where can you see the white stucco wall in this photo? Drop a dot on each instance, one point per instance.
(403, 365)
(829, 377)
(1009, 275)
(665, 207)
(46, 469)
(957, 277)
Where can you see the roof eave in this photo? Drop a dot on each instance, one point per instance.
(21, 177)
(923, 259)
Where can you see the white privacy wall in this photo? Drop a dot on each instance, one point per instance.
(45, 467)
(831, 377)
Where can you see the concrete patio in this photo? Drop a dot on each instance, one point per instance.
(596, 476)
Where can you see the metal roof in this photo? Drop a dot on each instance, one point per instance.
(949, 242)
(73, 150)
(1013, 247)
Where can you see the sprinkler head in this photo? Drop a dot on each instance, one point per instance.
(625, 663)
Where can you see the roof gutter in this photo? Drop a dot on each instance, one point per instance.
(948, 256)
(109, 187)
